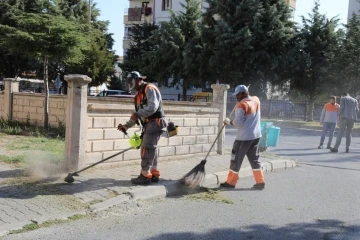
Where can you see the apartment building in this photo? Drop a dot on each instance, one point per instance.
(141, 11)
(354, 7)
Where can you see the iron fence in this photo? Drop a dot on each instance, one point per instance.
(42, 90)
(283, 109)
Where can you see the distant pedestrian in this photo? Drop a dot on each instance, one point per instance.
(328, 120)
(348, 115)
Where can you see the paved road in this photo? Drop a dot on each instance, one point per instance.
(309, 202)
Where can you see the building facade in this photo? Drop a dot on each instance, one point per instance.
(354, 7)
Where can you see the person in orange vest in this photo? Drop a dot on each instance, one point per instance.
(247, 122)
(149, 113)
(328, 119)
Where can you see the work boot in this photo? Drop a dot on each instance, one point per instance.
(320, 146)
(226, 185)
(155, 176)
(154, 179)
(334, 150)
(141, 180)
(259, 186)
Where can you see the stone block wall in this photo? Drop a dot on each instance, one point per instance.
(31, 105)
(198, 128)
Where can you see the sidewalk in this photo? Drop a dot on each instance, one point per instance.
(23, 203)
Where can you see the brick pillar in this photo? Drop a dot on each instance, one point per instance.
(219, 102)
(11, 86)
(76, 121)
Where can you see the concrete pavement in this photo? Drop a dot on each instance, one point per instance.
(26, 201)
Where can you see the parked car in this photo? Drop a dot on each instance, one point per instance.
(279, 109)
(115, 93)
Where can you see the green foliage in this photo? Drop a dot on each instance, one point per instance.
(13, 159)
(245, 40)
(139, 46)
(347, 59)
(314, 48)
(41, 35)
(60, 29)
(175, 40)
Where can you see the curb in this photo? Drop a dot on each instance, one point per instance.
(171, 187)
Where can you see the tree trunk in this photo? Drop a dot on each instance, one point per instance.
(310, 112)
(46, 87)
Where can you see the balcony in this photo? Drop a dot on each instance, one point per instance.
(137, 15)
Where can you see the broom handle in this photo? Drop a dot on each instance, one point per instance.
(219, 133)
(92, 165)
(215, 141)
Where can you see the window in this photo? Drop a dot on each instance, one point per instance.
(166, 5)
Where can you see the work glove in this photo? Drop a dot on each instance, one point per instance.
(122, 128)
(227, 121)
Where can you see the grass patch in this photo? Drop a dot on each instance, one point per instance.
(210, 195)
(12, 159)
(26, 228)
(56, 147)
(34, 225)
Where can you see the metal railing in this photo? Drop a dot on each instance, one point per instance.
(283, 109)
(41, 90)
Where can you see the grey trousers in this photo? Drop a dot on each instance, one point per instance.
(327, 127)
(240, 149)
(348, 124)
(152, 133)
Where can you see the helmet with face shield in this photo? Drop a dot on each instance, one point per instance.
(132, 78)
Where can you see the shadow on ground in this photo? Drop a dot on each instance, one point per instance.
(321, 230)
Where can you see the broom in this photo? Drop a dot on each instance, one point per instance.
(195, 177)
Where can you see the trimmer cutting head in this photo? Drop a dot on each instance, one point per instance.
(69, 178)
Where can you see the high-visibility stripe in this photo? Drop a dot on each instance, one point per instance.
(249, 105)
(232, 178)
(258, 176)
(332, 107)
(143, 152)
(155, 173)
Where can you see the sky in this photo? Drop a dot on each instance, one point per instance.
(113, 11)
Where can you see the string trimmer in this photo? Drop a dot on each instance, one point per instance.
(134, 141)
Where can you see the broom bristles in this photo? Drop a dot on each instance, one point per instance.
(195, 177)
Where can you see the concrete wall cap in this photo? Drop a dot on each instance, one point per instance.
(17, 79)
(77, 78)
(220, 86)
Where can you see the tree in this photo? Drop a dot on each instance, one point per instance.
(44, 36)
(348, 57)
(139, 46)
(314, 48)
(174, 40)
(247, 40)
